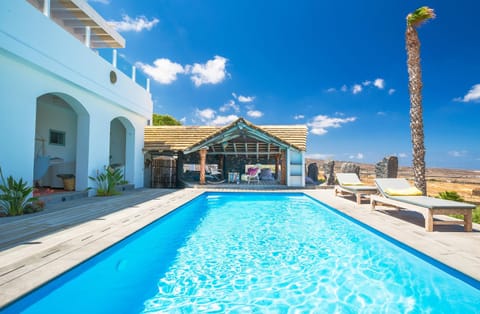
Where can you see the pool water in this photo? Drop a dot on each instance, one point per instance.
(251, 252)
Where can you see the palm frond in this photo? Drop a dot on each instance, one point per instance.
(420, 16)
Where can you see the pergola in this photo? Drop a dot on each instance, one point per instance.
(238, 139)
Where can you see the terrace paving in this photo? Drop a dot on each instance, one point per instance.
(38, 247)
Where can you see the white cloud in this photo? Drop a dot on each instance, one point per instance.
(402, 155)
(391, 91)
(206, 114)
(319, 156)
(183, 120)
(321, 123)
(246, 98)
(357, 88)
(455, 153)
(100, 1)
(212, 72)
(357, 156)
(298, 116)
(209, 116)
(379, 83)
(222, 120)
(331, 90)
(254, 113)
(344, 88)
(381, 113)
(163, 70)
(230, 105)
(366, 83)
(472, 95)
(128, 24)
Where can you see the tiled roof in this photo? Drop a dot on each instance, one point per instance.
(179, 138)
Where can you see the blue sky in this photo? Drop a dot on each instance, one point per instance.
(337, 66)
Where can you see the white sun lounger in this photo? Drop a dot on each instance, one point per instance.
(350, 183)
(429, 206)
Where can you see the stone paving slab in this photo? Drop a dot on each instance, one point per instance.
(80, 229)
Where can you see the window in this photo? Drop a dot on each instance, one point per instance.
(57, 137)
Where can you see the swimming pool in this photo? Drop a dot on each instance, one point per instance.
(255, 252)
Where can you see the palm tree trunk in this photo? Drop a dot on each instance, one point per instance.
(416, 114)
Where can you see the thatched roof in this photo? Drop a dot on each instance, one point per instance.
(239, 137)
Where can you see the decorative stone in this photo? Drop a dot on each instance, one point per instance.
(350, 167)
(328, 170)
(387, 168)
(312, 172)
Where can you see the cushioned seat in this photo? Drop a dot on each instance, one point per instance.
(349, 183)
(399, 193)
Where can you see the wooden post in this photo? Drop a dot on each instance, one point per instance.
(220, 164)
(203, 158)
(284, 167)
(179, 168)
(277, 161)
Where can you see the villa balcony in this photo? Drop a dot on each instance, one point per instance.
(70, 40)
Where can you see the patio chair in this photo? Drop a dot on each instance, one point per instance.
(252, 175)
(399, 193)
(349, 183)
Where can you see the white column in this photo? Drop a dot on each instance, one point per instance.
(87, 36)
(133, 73)
(46, 8)
(114, 58)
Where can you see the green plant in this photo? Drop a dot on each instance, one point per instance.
(15, 195)
(107, 181)
(450, 195)
(34, 207)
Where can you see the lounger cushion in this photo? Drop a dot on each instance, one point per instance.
(411, 191)
(352, 183)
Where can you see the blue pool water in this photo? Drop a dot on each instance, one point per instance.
(263, 253)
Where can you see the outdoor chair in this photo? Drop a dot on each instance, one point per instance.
(252, 175)
(399, 193)
(349, 183)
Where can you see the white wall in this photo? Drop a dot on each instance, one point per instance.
(38, 58)
(295, 168)
(59, 118)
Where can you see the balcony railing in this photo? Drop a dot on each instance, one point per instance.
(112, 57)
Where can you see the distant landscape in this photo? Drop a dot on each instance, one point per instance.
(465, 182)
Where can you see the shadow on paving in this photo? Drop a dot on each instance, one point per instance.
(27, 228)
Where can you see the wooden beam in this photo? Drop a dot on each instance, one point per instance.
(238, 153)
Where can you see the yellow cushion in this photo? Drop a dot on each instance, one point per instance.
(352, 183)
(411, 191)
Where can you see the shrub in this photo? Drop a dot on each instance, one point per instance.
(450, 195)
(15, 197)
(107, 181)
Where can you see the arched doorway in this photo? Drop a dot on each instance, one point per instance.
(61, 142)
(122, 140)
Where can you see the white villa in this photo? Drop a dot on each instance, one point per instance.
(64, 109)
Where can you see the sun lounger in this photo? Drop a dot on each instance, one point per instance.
(399, 193)
(350, 183)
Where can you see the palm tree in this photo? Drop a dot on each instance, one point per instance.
(414, 20)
